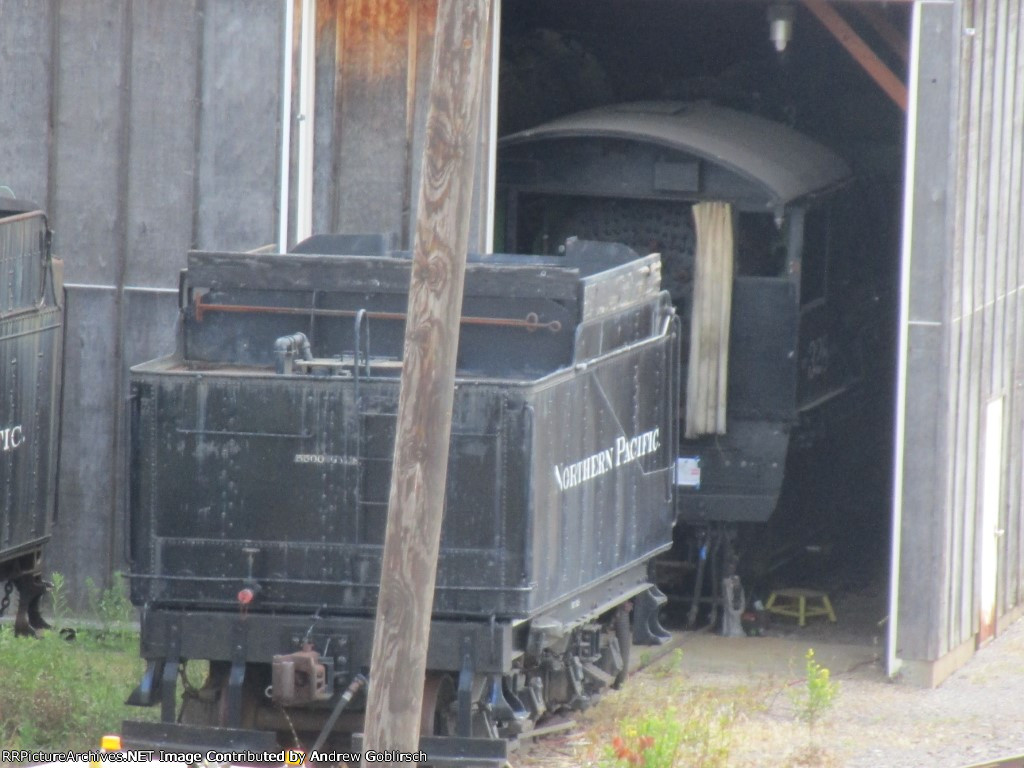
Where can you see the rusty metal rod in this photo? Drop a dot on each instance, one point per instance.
(531, 322)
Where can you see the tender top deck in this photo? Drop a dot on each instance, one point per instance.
(523, 316)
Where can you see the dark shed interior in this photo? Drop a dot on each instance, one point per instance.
(830, 526)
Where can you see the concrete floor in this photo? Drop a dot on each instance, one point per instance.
(781, 656)
(855, 642)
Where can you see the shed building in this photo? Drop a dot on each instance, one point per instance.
(149, 128)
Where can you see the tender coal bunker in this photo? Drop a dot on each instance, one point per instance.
(828, 526)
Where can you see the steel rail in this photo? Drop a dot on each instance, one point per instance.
(1017, 761)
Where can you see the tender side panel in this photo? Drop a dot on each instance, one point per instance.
(602, 451)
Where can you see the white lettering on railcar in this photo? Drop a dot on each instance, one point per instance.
(11, 438)
(625, 450)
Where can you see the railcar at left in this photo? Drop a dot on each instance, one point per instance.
(31, 350)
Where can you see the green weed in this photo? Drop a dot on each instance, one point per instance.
(696, 736)
(818, 695)
(110, 606)
(58, 598)
(812, 703)
(668, 666)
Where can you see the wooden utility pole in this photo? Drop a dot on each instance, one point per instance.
(409, 562)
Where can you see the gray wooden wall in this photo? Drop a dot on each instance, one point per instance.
(149, 127)
(987, 346)
(144, 129)
(964, 326)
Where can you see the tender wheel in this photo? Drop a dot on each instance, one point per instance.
(437, 717)
(208, 705)
(201, 706)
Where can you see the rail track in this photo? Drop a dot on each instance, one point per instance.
(1017, 761)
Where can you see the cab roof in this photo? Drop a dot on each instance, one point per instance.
(781, 163)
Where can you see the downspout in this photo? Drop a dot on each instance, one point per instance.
(307, 108)
(287, 47)
(490, 137)
(892, 661)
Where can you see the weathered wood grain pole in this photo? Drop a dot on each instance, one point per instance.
(409, 565)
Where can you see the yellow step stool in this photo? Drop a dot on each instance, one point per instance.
(793, 602)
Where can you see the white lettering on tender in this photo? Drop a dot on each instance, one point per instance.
(630, 449)
(11, 438)
(325, 458)
(625, 450)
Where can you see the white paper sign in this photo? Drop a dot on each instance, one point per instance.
(688, 471)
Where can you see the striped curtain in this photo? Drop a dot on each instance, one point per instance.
(708, 375)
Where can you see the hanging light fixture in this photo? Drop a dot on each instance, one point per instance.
(780, 25)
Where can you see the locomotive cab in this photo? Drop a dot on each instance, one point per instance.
(738, 207)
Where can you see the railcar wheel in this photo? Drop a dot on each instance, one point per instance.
(208, 705)
(437, 716)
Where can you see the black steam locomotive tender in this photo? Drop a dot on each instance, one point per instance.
(260, 467)
(31, 347)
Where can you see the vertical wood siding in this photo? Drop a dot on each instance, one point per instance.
(144, 128)
(986, 314)
(149, 127)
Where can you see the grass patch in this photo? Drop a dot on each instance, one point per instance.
(60, 694)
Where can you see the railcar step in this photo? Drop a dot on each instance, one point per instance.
(456, 751)
(176, 737)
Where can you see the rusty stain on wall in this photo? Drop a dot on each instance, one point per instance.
(373, 37)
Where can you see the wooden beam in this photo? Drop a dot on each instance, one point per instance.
(861, 51)
(879, 22)
(419, 473)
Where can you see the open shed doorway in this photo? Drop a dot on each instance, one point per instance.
(820, 475)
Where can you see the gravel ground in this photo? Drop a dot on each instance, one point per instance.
(976, 715)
